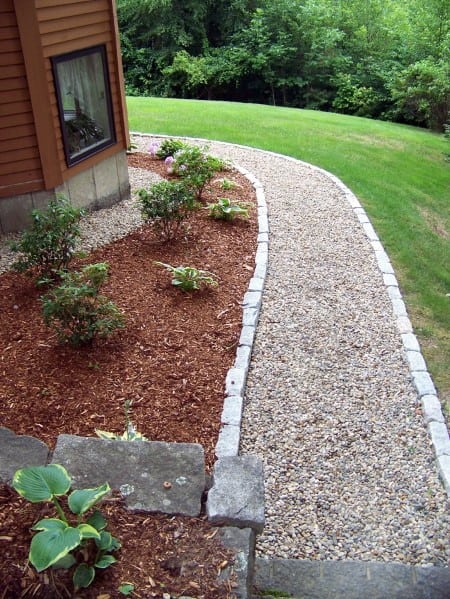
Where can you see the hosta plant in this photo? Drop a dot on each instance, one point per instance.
(76, 310)
(188, 278)
(129, 434)
(49, 245)
(76, 538)
(223, 209)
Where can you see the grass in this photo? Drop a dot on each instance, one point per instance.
(398, 173)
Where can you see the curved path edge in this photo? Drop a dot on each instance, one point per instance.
(229, 436)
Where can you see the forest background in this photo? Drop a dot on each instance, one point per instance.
(384, 59)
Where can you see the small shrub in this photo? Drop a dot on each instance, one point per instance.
(223, 209)
(188, 278)
(76, 311)
(50, 243)
(69, 540)
(226, 184)
(196, 167)
(168, 147)
(129, 434)
(165, 206)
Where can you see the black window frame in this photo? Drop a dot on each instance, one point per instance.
(111, 140)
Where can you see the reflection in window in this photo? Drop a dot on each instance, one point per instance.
(84, 101)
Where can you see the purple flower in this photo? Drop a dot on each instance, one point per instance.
(169, 160)
(153, 148)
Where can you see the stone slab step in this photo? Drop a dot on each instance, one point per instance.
(304, 579)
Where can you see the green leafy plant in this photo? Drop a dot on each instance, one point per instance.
(76, 311)
(126, 588)
(226, 184)
(49, 245)
(223, 209)
(196, 167)
(165, 206)
(129, 434)
(188, 278)
(168, 147)
(71, 539)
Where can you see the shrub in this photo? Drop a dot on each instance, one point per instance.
(76, 311)
(196, 167)
(223, 209)
(188, 278)
(59, 542)
(50, 243)
(165, 206)
(168, 147)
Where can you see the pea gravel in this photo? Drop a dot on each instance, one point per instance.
(330, 407)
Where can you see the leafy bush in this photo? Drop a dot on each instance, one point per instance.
(76, 311)
(50, 243)
(168, 147)
(196, 167)
(59, 543)
(165, 206)
(223, 209)
(188, 278)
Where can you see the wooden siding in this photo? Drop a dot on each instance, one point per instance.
(20, 166)
(31, 143)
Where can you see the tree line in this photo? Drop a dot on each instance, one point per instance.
(387, 59)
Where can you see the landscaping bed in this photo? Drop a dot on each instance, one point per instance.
(170, 362)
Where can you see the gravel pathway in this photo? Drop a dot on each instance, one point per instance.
(330, 408)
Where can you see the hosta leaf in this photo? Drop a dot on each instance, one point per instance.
(105, 435)
(97, 520)
(49, 546)
(50, 524)
(83, 576)
(82, 500)
(104, 561)
(65, 562)
(88, 532)
(41, 483)
(126, 588)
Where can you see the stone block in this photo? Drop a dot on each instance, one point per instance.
(107, 185)
(228, 441)
(262, 253)
(152, 476)
(362, 217)
(252, 299)
(41, 199)
(243, 355)
(260, 197)
(377, 246)
(15, 213)
(232, 410)
(81, 189)
(394, 293)
(256, 284)
(237, 495)
(443, 462)
(384, 263)
(404, 325)
(439, 437)
(370, 232)
(242, 543)
(247, 335)
(410, 342)
(263, 237)
(19, 451)
(235, 382)
(260, 271)
(250, 317)
(263, 221)
(416, 361)
(399, 308)
(431, 407)
(390, 280)
(423, 383)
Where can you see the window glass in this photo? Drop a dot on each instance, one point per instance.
(84, 101)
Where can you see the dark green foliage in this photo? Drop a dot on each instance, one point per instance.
(319, 54)
(168, 147)
(48, 246)
(165, 206)
(76, 311)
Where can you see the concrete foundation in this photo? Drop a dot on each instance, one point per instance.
(100, 186)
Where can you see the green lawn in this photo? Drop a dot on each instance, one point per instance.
(398, 173)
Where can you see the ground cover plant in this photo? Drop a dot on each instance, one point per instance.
(170, 361)
(398, 173)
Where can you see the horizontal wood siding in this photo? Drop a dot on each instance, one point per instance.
(20, 166)
(69, 25)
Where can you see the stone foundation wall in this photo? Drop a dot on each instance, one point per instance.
(100, 186)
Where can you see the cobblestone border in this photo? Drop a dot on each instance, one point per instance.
(229, 436)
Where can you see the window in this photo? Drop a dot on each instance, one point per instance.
(84, 102)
